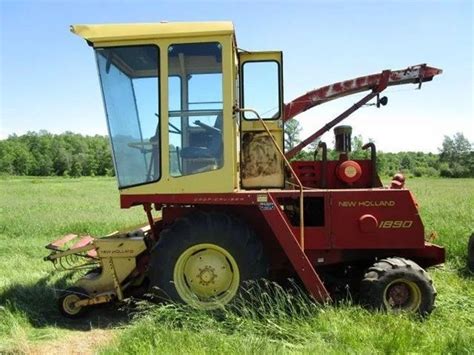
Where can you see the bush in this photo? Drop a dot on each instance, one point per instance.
(425, 171)
(459, 171)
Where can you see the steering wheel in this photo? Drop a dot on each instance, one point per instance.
(144, 147)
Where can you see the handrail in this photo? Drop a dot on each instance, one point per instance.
(280, 151)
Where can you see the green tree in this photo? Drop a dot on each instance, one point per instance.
(62, 161)
(22, 161)
(292, 134)
(458, 156)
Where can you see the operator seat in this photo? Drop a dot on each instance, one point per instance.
(213, 149)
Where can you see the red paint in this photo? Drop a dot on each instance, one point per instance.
(359, 225)
(310, 174)
(301, 264)
(343, 208)
(368, 223)
(337, 87)
(410, 75)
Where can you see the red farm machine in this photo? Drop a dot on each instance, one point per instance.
(196, 128)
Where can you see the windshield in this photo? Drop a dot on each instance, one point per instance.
(130, 87)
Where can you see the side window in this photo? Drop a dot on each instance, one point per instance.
(261, 89)
(195, 108)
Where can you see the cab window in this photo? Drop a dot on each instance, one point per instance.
(195, 108)
(261, 89)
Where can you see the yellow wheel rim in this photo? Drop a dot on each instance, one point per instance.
(402, 295)
(206, 276)
(69, 304)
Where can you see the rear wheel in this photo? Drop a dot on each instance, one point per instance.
(203, 259)
(398, 285)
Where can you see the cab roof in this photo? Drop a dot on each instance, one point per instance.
(137, 31)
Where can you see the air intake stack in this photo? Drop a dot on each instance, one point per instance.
(343, 138)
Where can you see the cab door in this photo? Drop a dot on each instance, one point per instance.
(261, 89)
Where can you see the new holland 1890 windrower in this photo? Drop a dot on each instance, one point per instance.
(196, 128)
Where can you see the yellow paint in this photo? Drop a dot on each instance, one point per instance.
(255, 128)
(117, 255)
(414, 298)
(224, 179)
(396, 224)
(206, 276)
(151, 31)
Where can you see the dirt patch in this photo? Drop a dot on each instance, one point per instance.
(78, 343)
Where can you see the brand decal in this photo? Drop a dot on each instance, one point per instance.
(395, 224)
(367, 203)
(118, 251)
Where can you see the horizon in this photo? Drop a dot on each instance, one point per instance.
(60, 80)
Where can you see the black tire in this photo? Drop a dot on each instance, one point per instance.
(69, 295)
(197, 228)
(470, 254)
(397, 284)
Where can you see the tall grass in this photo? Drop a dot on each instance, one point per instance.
(273, 320)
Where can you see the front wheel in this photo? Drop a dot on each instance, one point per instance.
(203, 259)
(470, 253)
(398, 285)
(67, 302)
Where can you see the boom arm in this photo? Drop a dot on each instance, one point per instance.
(416, 74)
(377, 83)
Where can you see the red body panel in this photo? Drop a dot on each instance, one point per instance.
(397, 222)
(310, 174)
(398, 226)
(348, 226)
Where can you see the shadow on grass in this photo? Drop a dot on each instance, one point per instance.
(260, 301)
(465, 273)
(38, 303)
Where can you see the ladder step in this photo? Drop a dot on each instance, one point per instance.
(278, 222)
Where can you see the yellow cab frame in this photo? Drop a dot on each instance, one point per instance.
(226, 178)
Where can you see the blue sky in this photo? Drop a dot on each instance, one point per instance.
(49, 79)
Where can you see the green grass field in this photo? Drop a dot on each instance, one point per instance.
(34, 211)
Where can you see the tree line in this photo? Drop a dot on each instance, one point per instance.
(70, 154)
(455, 158)
(46, 154)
